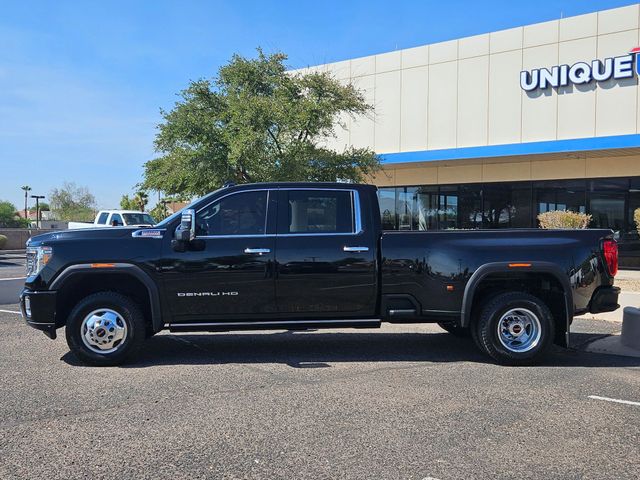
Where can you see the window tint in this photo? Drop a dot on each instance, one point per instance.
(116, 220)
(316, 211)
(138, 219)
(238, 214)
(102, 219)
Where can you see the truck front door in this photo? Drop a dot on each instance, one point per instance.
(325, 256)
(227, 272)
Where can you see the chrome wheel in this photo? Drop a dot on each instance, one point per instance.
(103, 331)
(519, 330)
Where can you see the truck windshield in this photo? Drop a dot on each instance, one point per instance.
(138, 219)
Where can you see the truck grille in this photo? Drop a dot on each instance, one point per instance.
(31, 261)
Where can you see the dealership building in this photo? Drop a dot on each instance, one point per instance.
(491, 130)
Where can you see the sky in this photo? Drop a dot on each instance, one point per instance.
(82, 83)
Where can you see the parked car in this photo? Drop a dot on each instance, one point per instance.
(305, 255)
(117, 218)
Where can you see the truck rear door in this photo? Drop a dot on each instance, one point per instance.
(325, 255)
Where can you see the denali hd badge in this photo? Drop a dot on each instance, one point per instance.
(206, 294)
(581, 72)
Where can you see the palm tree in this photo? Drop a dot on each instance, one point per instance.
(141, 198)
(26, 189)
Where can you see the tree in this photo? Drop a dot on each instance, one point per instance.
(159, 212)
(71, 202)
(127, 203)
(9, 216)
(7, 213)
(257, 122)
(138, 202)
(140, 199)
(44, 207)
(26, 189)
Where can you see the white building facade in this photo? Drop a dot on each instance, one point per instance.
(489, 131)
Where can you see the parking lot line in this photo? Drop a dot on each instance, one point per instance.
(9, 311)
(615, 400)
(12, 278)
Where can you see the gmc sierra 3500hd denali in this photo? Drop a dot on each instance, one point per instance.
(307, 255)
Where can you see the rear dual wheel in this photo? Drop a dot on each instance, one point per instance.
(514, 328)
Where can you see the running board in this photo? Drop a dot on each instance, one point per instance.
(403, 312)
(273, 325)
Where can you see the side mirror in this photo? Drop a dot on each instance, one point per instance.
(186, 231)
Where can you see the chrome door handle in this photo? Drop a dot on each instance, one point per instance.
(355, 249)
(258, 251)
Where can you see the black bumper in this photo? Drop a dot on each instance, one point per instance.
(39, 310)
(605, 299)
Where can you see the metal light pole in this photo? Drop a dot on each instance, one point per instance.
(37, 197)
(26, 189)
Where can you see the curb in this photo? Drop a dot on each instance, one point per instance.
(611, 345)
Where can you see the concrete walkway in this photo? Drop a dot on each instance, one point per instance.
(626, 299)
(611, 344)
(628, 275)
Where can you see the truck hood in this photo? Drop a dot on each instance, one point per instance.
(81, 234)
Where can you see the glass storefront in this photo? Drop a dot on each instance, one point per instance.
(611, 203)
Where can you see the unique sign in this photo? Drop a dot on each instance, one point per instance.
(581, 73)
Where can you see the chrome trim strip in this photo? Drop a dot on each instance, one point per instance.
(327, 234)
(266, 214)
(357, 211)
(274, 322)
(259, 251)
(238, 236)
(355, 249)
(402, 311)
(138, 233)
(233, 193)
(355, 202)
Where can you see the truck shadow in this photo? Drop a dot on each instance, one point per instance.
(321, 349)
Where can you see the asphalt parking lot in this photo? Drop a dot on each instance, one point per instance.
(402, 402)
(11, 276)
(399, 402)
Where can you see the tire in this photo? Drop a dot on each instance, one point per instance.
(105, 328)
(526, 329)
(455, 329)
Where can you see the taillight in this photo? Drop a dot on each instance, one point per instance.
(610, 248)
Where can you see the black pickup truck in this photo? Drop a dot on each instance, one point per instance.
(307, 255)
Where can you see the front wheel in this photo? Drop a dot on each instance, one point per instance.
(515, 328)
(105, 328)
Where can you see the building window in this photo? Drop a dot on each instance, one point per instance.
(506, 205)
(560, 195)
(387, 202)
(448, 208)
(427, 208)
(607, 205)
(611, 202)
(469, 207)
(406, 208)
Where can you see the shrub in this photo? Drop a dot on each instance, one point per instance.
(3, 241)
(563, 219)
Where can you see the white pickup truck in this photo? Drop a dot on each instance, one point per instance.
(117, 218)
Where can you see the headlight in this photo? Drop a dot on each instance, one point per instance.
(37, 258)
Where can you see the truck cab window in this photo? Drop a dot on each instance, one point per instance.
(102, 219)
(242, 213)
(317, 211)
(116, 220)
